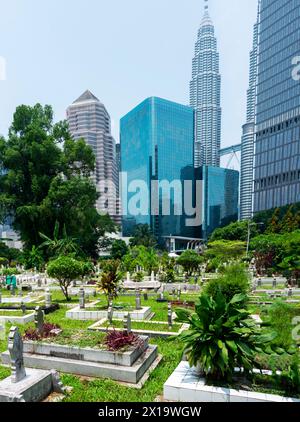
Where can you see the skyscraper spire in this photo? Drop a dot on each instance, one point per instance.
(205, 94)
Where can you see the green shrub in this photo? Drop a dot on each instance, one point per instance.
(234, 280)
(280, 316)
(222, 336)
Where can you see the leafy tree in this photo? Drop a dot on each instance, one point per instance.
(190, 262)
(66, 269)
(47, 180)
(235, 231)
(222, 336)
(274, 226)
(110, 279)
(225, 250)
(143, 236)
(141, 256)
(119, 249)
(289, 222)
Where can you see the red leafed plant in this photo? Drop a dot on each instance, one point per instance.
(49, 330)
(117, 340)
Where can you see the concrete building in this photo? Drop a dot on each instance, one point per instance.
(89, 119)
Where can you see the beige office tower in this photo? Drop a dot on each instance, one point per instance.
(89, 119)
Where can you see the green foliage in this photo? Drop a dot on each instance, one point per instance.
(280, 316)
(32, 258)
(168, 276)
(66, 269)
(222, 336)
(225, 250)
(235, 231)
(141, 256)
(119, 249)
(47, 180)
(233, 281)
(9, 271)
(279, 252)
(138, 276)
(190, 261)
(290, 378)
(143, 236)
(59, 245)
(110, 278)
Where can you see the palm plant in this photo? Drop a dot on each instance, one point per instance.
(59, 245)
(110, 279)
(222, 336)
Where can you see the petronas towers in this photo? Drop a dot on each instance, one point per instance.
(205, 95)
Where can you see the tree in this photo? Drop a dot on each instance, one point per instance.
(190, 262)
(143, 236)
(274, 225)
(225, 250)
(222, 336)
(119, 249)
(110, 279)
(289, 222)
(65, 269)
(235, 231)
(47, 180)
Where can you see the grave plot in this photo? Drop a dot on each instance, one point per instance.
(125, 359)
(95, 312)
(162, 329)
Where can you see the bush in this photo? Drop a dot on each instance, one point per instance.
(222, 336)
(49, 330)
(118, 340)
(234, 280)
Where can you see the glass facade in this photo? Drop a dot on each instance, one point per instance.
(277, 144)
(220, 195)
(157, 145)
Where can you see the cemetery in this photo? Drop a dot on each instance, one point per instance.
(112, 337)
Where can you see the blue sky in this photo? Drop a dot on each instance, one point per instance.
(122, 50)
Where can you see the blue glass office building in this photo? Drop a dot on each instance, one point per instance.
(220, 196)
(157, 144)
(277, 144)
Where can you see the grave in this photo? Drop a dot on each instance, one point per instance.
(26, 384)
(126, 366)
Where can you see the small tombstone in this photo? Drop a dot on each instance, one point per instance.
(0, 297)
(138, 305)
(152, 276)
(23, 308)
(274, 282)
(127, 323)
(170, 321)
(290, 292)
(110, 311)
(15, 347)
(81, 298)
(39, 282)
(174, 292)
(12, 290)
(178, 293)
(39, 319)
(145, 296)
(48, 298)
(259, 282)
(185, 288)
(45, 281)
(128, 277)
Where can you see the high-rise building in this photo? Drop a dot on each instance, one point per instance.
(205, 95)
(89, 119)
(247, 152)
(277, 143)
(157, 145)
(219, 198)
